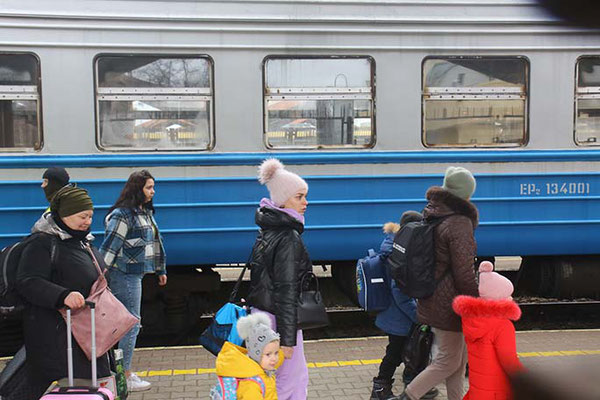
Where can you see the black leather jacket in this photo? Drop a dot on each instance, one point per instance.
(279, 261)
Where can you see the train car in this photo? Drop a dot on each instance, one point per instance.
(369, 100)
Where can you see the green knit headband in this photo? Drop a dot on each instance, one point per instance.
(71, 200)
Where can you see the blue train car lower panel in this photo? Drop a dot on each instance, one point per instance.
(211, 220)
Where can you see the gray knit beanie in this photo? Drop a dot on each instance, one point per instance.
(460, 182)
(256, 331)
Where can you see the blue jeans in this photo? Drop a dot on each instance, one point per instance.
(128, 289)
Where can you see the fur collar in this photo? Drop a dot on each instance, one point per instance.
(442, 202)
(391, 227)
(477, 307)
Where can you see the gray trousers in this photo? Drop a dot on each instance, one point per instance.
(448, 365)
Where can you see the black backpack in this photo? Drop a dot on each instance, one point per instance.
(412, 262)
(11, 304)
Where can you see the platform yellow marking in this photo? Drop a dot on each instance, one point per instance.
(327, 364)
(591, 351)
(572, 352)
(529, 354)
(164, 372)
(185, 371)
(201, 371)
(550, 353)
(368, 362)
(351, 362)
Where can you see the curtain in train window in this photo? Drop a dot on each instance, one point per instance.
(154, 103)
(19, 102)
(319, 102)
(587, 102)
(475, 101)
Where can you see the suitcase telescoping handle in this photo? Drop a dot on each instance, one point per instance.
(92, 307)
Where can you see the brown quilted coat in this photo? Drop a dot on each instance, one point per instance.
(454, 251)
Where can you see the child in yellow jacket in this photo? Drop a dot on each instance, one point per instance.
(249, 374)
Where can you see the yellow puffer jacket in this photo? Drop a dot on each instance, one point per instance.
(234, 361)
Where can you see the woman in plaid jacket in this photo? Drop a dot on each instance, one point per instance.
(133, 247)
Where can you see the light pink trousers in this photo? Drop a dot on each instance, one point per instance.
(292, 376)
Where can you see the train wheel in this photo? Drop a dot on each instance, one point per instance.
(560, 277)
(577, 277)
(537, 277)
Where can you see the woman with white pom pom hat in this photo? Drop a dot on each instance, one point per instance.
(279, 261)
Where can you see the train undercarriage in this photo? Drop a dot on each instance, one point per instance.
(172, 313)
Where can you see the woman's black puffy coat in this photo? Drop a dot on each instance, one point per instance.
(279, 261)
(44, 285)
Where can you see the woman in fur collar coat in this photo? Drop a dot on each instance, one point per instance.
(455, 249)
(490, 335)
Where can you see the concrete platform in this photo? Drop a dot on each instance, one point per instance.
(343, 368)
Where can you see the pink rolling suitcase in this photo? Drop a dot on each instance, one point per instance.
(80, 392)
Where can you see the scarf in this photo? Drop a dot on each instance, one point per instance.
(265, 202)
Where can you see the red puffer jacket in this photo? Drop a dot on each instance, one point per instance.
(490, 337)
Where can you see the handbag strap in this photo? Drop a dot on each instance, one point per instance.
(310, 276)
(100, 272)
(236, 288)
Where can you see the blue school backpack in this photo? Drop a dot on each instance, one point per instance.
(371, 283)
(226, 387)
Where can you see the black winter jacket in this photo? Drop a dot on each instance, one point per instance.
(45, 285)
(279, 261)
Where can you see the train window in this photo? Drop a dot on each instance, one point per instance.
(475, 101)
(318, 102)
(154, 103)
(587, 101)
(19, 102)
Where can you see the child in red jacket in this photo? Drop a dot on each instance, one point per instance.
(490, 335)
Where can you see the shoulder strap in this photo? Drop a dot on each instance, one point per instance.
(53, 250)
(53, 244)
(236, 288)
(257, 379)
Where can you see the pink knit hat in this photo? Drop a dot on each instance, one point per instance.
(492, 285)
(282, 184)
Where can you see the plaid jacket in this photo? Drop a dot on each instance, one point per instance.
(130, 244)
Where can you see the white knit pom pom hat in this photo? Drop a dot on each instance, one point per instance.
(282, 184)
(255, 330)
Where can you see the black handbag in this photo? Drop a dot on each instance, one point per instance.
(416, 354)
(311, 310)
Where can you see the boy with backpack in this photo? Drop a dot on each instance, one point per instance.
(249, 373)
(396, 321)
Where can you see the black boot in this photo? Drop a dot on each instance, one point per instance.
(382, 389)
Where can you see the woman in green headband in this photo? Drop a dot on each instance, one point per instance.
(56, 269)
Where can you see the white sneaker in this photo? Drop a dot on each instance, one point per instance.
(135, 384)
